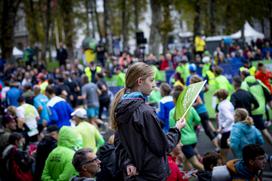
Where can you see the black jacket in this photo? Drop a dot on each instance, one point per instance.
(244, 99)
(109, 167)
(140, 140)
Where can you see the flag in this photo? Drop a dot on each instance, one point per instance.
(187, 98)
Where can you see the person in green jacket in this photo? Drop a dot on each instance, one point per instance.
(221, 82)
(90, 135)
(188, 134)
(256, 88)
(58, 165)
(183, 68)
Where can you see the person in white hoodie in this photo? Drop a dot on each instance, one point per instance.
(225, 120)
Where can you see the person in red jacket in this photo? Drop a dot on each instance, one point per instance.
(264, 75)
(175, 173)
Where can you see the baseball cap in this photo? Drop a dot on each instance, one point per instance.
(80, 113)
(192, 67)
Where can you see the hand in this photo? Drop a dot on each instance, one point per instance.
(181, 123)
(131, 170)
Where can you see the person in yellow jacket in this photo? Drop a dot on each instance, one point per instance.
(91, 70)
(247, 65)
(199, 45)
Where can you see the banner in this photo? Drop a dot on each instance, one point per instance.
(187, 98)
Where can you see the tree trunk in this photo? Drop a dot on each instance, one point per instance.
(8, 19)
(107, 27)
(47, 30)
(212, 17)
(31, 22)
(125, 22)
(68, 26)
(87, 16)
(228, 29)
(270, 18)
(197, 23)
(243, 35)
(136, 15)
(97, 20)
(92, 18)
(155, 38)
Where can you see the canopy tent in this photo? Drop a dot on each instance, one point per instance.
(250, 33)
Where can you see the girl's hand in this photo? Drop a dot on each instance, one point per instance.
(131, 170)
(181, 124)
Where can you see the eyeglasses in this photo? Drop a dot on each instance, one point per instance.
(90, 161)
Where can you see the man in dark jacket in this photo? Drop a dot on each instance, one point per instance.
(62, 55)
(140, 140)
(46, 145)
(242, 98)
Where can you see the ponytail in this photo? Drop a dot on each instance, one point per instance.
(248, 121)
(115, 101)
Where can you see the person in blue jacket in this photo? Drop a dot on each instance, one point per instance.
(243, 132)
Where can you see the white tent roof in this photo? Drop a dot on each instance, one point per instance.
(250, 33)
(17, 52)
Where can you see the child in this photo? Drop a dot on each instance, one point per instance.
(175, 173)
(243, 132)
(165, 105)
(225, 120)
(140, 142)
(203, 114)
(188, 135)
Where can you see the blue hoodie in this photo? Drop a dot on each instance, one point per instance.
(243, 134)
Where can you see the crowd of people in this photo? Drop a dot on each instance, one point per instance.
(68, 124)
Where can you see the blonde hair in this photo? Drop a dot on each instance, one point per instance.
(241, 115)
(134, 72)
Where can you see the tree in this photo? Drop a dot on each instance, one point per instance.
(125, 23)
(155, 38)
(107, 28)
(166, 25)
(67, 12)
(8, 21)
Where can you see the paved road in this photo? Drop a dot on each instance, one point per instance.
(204, 145)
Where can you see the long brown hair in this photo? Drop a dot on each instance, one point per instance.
(134, 72)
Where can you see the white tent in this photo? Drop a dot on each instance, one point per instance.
(16, 52)
(250, 33)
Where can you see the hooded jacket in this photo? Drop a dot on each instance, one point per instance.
(58, 165)
(255, 88)
(239, 171)
(140, 140)
(243, 134)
